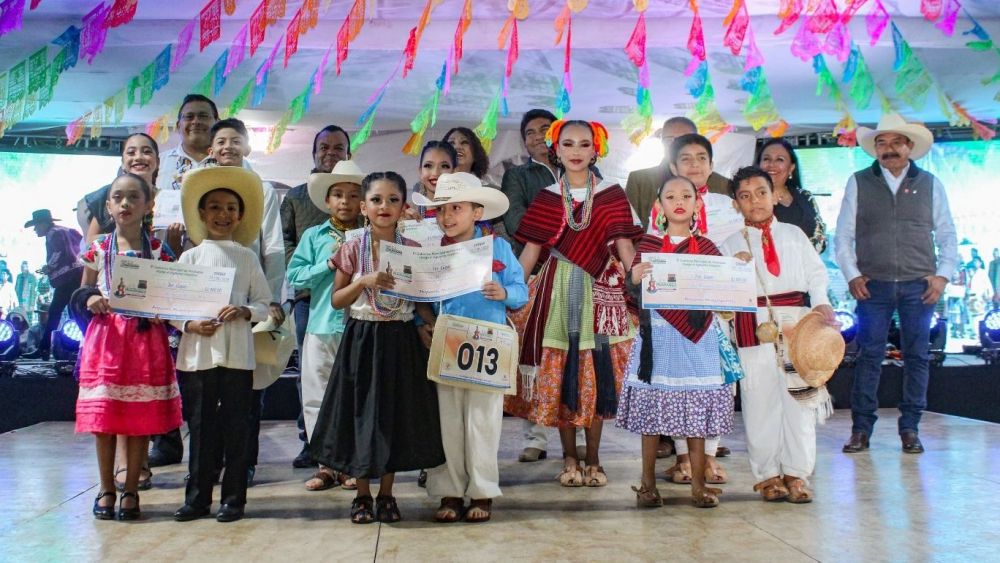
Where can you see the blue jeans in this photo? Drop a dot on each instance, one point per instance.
(301, 312)
(874, 316)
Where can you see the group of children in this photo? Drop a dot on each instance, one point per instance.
(587, 353)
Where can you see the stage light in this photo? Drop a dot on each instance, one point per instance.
(848, 325)
(989, 337)
(66, 346)
(7, 333)
(10, 348)
(72, 331)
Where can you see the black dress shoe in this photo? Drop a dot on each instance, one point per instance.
(722, 451)
(187, 513)
(911, 443)
(104, 512)
(129, 513)
(229, 513)
(167, 449)
(304, 459)
(857, 443)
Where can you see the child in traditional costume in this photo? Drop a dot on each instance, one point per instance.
(675, 384)
(127, 382)
(576, 330)
(780, 410)
(471, 419)
(380, 413)
(223, 211)
(312, 269)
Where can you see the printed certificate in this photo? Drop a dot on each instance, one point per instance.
(691, 281)
(172, 291)
(435, 274)
(427, 233)
(473, 354)
(724, 220)
(167, 209)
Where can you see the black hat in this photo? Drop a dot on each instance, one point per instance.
(40, 216)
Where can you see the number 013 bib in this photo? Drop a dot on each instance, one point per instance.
(473, 354)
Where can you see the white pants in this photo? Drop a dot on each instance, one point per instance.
(536, 435)
(470, 434)
(781, 434)
(317, 356)
(711, 445)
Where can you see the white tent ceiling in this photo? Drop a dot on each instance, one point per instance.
(603, 77)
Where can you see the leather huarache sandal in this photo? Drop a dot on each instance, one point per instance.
(647, 498)
(322, 480)
(348, 483)
(484, 507)
(571, 477)
(772, 490)
(362, 510)
(386, 510)
(595, 476)
(707, 498)
(679, 473)
(798, 493)
(451, 510)
(714, 473)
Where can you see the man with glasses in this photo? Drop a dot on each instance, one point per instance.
(298, 213)
(643, 185)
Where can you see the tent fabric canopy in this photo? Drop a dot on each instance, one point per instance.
(603, 77)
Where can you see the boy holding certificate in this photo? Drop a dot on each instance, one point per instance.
(223, 210)
(471, 419)
(780, 410)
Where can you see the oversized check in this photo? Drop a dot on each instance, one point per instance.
(692, 281)
(424, 233)
(435, 274)
(172, 291)
(167, 209)
(473, 354)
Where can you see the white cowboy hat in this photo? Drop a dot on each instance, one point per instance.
(920, 136)
(346, 171)
(462, 186)
(244, 183)
(273, 347)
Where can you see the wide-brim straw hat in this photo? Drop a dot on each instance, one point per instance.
(816, 349)
(244, 183)
(921, 136)
(346, 171)
(462, 186)
(273, 346)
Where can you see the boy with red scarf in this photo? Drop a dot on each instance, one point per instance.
(780, 410)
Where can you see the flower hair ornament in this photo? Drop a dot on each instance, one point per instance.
(598, 129)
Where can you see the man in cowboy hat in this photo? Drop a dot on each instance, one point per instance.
(893, 216)
(62, 245)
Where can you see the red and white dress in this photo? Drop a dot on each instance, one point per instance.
(128, 385)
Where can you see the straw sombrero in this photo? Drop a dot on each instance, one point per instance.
(346, 171)
(273, 346)
(816, 349)
(921, 136)
(247, 184)
(462, 186)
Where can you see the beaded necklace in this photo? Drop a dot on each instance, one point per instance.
(588, 202)
(383, 306)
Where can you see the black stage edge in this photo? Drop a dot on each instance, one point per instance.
(971, 391)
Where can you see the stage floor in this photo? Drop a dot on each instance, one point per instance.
(881, 505)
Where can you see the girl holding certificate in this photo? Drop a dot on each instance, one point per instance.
(576, 328)
(127, 382)
(380, 413)
(675, 384)
(471, 419)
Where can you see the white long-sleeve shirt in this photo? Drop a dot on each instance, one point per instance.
(945, 237)
(270, 244)
(232, 344)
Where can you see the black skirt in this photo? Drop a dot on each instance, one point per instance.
(380, 412)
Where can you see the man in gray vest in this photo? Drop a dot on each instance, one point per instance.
(893, 216)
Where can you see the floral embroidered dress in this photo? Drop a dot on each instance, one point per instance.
(576, 329)
(128, 384)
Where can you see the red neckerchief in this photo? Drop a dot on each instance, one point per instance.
(669, 246)
(485, 230)
(702, 226)
(767, 243)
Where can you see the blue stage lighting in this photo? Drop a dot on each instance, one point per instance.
(991, 324)
(72, 331)
(848, 325)
(7, 333)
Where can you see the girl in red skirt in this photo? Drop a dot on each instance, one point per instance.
(127, 381)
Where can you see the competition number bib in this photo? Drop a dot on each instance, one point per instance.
(473, 354)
